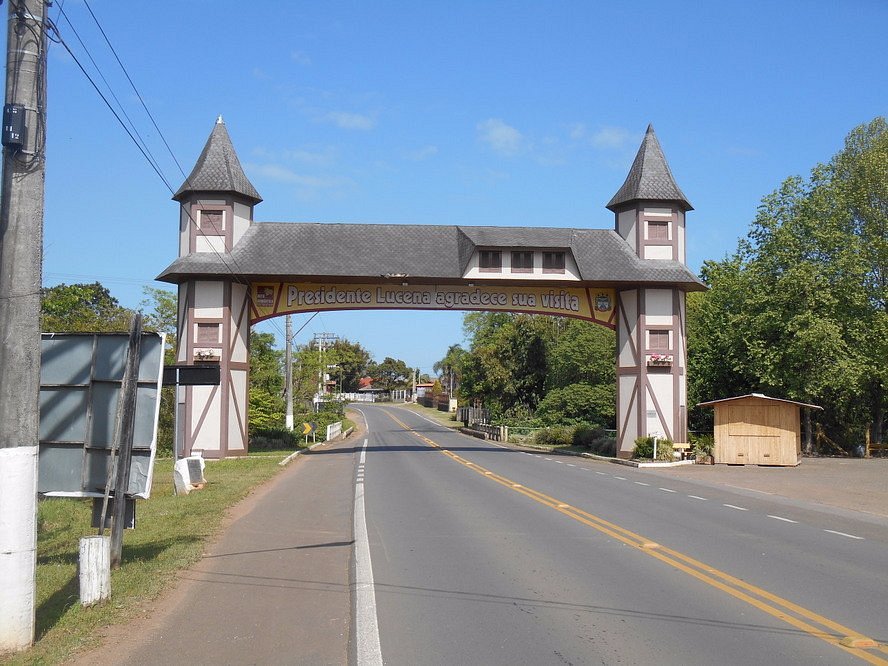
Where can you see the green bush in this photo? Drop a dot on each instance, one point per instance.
(557, 436)
(665, 451)
(702, 445)
(644, 447)
(273, 439)
(595, 439)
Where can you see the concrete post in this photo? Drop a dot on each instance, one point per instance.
(21, 253)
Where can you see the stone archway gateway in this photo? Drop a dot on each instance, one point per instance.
(233, 272)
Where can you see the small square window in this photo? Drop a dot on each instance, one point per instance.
(522, 262)
(658, 340)
(208, 333)
(211, 222)
(490, 260)
(553, 262)
(658, 231)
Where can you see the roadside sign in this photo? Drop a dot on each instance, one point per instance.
(309, 428)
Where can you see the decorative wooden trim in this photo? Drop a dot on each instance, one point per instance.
(650, 390)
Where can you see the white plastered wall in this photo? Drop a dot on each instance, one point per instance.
(208, 299)
(571, 272)
(660, 386)
(237, 406)
(206, 400)
(628, 334)
(626, 222)
(242, 219)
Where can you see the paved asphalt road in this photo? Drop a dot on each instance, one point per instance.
(417, 545)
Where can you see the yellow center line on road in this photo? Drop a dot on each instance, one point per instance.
(835, 634)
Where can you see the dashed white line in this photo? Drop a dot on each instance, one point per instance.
(667, 490)
(602, 473)
(621, 478)
(732, 506)
(560, 462)
(697, 497)
(785, 520)
(547, 459)
(850, 536)
(641, 483)
(571, 465)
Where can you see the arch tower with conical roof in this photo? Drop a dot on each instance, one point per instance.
(649, 214)
(216, 209)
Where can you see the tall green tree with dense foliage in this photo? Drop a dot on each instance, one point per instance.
(82, 308)
(553, 369)
(799, 311)
(390, 374)
(449, 368)
(267, 405)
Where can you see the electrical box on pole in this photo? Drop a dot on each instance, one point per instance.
(14, 126)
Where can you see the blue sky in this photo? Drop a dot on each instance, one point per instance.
(500, 113)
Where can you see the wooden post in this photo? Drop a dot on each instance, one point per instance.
(123, 439)
(95, 569)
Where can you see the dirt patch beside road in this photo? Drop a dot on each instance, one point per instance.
(848, 483)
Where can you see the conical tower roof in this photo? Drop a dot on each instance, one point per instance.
(218, 169)
(649, 178)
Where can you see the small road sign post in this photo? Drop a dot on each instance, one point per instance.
(309, 429)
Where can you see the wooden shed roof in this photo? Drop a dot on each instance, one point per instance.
(761, 396)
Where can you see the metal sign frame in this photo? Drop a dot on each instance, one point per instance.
(80, 382)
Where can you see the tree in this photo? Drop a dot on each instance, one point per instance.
(450, 367)
(390, 374)
(266, 395)
(800, 310)
(82, 308)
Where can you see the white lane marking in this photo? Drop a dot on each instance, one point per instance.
(732, 506)
(547, 459)
(369, 651)
(571, 465)
(785, 520)
(621, 478)
(698, 497)
(850, 536)
(667, 490)
(602, 473)
(559, 462)
(641, 483)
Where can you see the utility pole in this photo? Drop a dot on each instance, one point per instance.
(21, 256)
(288, 373)
(322, 339)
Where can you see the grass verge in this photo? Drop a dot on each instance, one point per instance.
(436, 415)
(170, 535)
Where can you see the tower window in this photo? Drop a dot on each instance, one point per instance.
(490, 260)
(211, 222)
(208, 334)
(522, 262)
(658, 340)
(553, 262)
(658, 231)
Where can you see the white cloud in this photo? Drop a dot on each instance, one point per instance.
(502, 138)
(354, 121)
(285, 175)
(300, 58)
(578, 131)
(421, 154)
(611, 137)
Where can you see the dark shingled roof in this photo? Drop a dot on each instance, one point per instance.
(288, 250)
(218, 169)
(649, 178)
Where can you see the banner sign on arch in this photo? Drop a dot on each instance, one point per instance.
(271, 299)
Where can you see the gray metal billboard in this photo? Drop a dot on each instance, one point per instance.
(80, 381)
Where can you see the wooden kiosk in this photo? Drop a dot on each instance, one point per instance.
(757, 430)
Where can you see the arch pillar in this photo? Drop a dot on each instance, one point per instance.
(651, 366)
